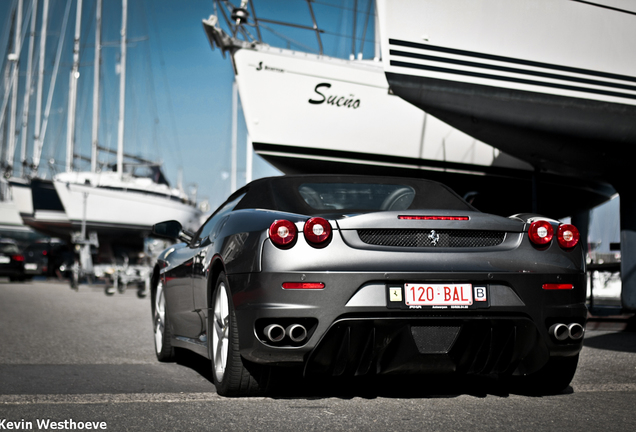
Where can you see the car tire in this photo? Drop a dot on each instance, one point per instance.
(553, 378)
(231, 374)
(161, 326)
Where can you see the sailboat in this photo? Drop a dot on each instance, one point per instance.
(313, 113)
(128, 199)
(119, 202)
(10, 205)
(33, 197)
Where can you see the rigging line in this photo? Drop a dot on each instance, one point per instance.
(83, 102)
(606, 7)
(7, 30)
(342, 8)
(16, 72)
(366, 26)
(354, 31)
(166, 86)
(150, 93)
(49, 100)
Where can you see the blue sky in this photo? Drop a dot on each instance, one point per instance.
(179, 91)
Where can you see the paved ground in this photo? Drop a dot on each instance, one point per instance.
(69, 356)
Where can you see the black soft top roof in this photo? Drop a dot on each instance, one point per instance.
(282, 193)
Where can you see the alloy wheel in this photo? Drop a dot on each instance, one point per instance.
(160, 318)
(220, 332)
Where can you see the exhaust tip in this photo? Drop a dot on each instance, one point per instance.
(559, 331)
(576, 331)
(296, 332)
(274, 332)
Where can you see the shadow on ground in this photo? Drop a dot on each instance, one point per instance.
(624, 341)
(287, 383)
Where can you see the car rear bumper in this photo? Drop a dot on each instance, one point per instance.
(353, 328)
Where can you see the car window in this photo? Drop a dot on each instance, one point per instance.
(357, 196)
(8, 248)
(36, 247)
(208, 226)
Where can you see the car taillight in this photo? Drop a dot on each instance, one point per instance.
(303, 285)
(558, 286)
(541, 232)
(18, 257)
(317, 231)
(283, 233)
(567, 236)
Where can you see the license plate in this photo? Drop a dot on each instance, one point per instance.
(5, 260)
(30, 266)
(438, 294)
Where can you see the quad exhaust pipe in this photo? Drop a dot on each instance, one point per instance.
(561, 332)
(276, 333)
(576, 331)
(296, 332)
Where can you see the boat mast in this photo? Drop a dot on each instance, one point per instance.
(98, 60)
(72, 98)
(233, 163)
(37, 150)
(27, 89)
(15, 69)
(38, 97)
(122, 91)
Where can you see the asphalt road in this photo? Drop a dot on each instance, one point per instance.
(73, 357)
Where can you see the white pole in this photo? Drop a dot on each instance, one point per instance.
(27, 88)
(38, 97)
(233, 185)
(249, 155)
(72, 98)
(122, 90)
(96, 67)
(37, 152)
(15, 69)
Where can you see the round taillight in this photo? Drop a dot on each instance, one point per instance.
(283, 233)
(541, 232)
(568, 236)
(317, 231)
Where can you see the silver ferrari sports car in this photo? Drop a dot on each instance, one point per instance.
(365, 276)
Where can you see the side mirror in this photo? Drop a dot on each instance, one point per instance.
(173, 230)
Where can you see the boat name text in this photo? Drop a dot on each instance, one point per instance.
(268, 68)
(335, 100)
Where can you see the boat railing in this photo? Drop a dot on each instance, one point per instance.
(244, 28)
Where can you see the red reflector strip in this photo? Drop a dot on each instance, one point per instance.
(557, 286)
(303, 285)
(441, 218)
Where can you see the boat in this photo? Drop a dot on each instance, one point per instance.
(118, 202)
(128, 198)
(552, 83)
(313, 113)
(33, 196)
(129, 204)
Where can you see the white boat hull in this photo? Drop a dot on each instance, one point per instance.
(315, 114)
(22, 196)
(550, 82)
(120, 208)
(9, 216)
(302, 104)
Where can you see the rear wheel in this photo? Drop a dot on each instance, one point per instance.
(232, 375)
(163, 344)
(553, 378)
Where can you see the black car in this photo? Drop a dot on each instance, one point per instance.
(354, 275)
(44, 257)
(11, 260)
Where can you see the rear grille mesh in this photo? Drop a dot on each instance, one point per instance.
(413, 238)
